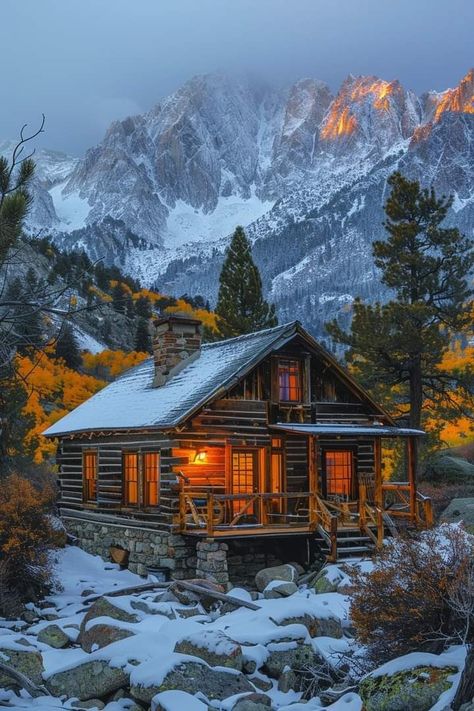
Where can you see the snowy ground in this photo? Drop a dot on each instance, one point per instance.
(148, 655)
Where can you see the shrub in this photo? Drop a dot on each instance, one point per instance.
(27, 536)
(419, 595)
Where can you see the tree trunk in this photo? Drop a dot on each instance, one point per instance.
(416, 393)
(465, 690)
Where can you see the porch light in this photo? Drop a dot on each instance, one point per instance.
(200, 457)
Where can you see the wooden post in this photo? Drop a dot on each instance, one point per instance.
(411, 464)
(182, 511)
(428, 512)
(379, 527)
(312, 478)
(333, 535)
(210, 514)
(378, 492)
(362, 504)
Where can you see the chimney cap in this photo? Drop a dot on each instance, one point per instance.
(178, 317)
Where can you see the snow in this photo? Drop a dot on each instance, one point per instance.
(70, 208)
(86, 342)
(186, 224)
(177, 701)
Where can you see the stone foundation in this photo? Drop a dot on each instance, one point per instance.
(233, 562)
(148, 549)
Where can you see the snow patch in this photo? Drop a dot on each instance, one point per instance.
(71, 209)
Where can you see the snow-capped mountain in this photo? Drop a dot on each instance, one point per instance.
(304, 170)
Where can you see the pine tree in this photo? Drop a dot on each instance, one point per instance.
(67, 348)
(241, 307)
(401, 344)
(142, 337)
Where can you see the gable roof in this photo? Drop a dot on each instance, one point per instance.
(131, 401)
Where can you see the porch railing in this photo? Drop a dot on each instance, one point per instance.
(208, 512)
(401, 502)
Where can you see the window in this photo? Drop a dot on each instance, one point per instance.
(339, 472)
(151, 478)
(277, 475)
(90, 476)
(130, 478)
(289, 380)
(141, 478)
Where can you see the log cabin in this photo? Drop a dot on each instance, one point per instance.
(215, 459)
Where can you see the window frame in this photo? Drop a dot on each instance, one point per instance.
(143, 499)
(352, 451)
(86, 497)
(300, 386)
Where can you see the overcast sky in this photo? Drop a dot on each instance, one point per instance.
(86, 62)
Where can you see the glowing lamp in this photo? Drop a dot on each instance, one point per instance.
(200, 457)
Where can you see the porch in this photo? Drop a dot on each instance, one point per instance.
(341, 499)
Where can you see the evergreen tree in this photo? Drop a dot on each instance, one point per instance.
(241, 307)
(67, 348)
(118, 298)
(143, 307)
(28, 322)
(142, 337)
(401, 344)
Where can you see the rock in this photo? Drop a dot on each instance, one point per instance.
(274, 591)
(101, 635)
(282, 655)
(287, 573)
(416, 689)
(54, 636)
(261, 682)
(28, 661)
(186, 597)
(288, 680)
(326, 581)
(316, 626)
(87, 680)
(193, 677)
(253, 702)
(215, 647)
(172, 700)
(104, 608)
(91, 704)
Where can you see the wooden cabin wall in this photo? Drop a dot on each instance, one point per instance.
(296, 449)
(210, 473)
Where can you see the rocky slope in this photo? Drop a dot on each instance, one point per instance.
(305, 171)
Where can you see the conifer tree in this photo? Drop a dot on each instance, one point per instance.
(142, 337)
(241, 307)
(67, 348)
(400, 344)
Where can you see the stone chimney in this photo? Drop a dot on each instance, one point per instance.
(176, 343)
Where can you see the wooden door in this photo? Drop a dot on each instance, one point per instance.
(244, 479)
(339, 473)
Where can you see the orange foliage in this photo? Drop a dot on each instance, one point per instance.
(109, 364)
(208, 318)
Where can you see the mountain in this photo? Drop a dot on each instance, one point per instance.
(303, 170)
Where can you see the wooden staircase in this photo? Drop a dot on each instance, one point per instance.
(350, 542)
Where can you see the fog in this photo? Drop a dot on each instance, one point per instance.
(85, 63)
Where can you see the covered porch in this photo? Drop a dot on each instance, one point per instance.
(341, 493)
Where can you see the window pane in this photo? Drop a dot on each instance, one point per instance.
(130, 470)
(339, 472)
(90, 476)
(151, 472)
(289, 380)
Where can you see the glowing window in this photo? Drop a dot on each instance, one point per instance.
(130, 478)
(289, 380)
(90, 476)
(151, 478)
(339, 472)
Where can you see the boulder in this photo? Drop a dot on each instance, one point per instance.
(192, 677)
(87, 680)
(417, 689)
(173, 700)
(104, 608)
(282, 655)
(187, 597)
(91, 704)
(316, 626)
(253, 702)
(215, 647)
(53, 636)
(288, 680)
(326, 581)
(286, 573)
(28, 661)
(277, 589)
(101, 635)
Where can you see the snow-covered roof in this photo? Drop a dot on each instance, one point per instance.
(131, 401)
(355, 430)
